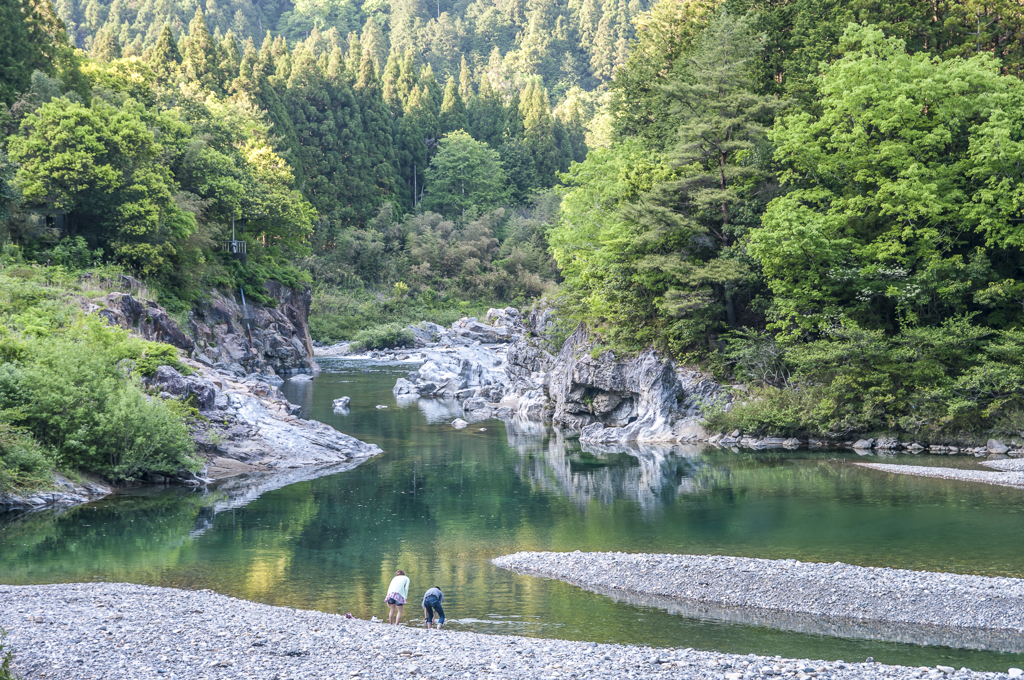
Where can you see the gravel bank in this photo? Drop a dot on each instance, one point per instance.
(835, 591)
(117, 630)
(1009, 476)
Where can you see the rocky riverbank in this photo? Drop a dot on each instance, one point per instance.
(828, 591)
(237, 356)
(123, 631)
(509, 366)
(1008, 472)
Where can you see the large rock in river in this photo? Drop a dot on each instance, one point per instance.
(646, 398)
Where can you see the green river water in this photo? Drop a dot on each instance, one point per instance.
(440, 503)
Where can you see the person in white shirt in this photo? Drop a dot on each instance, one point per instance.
(398, 592)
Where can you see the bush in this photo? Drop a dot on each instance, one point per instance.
(24, 464)
(383, 336)
(6, 657)
(929, 382)
(76, 396)
(774, 412)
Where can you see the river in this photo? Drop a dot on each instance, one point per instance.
(440, 503)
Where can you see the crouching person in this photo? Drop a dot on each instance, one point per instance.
(432, 602)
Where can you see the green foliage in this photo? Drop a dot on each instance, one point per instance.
(24, 464)
(74, 254)
(69, 388)
(383, 336)
(463, 174)
(896, 214)
(6, 658)
(668, 266)
(925, 381)
(76, 395)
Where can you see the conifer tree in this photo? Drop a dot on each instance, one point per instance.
(229, 59)
(486, 115)
(165, 57)
(453, 110)
(465, 82)
(374, 42)
(378, 156)
(686, 251)
(199, 53)
(539, 133)
(106, 46)
(389, 85)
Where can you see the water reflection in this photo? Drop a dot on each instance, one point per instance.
(435, 411)
(650, 475)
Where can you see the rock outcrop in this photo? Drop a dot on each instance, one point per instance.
(645, 399)
(462, 372)
(146, 319)
(237, 357)
(274, 343)
(250, 421)
(63, 494)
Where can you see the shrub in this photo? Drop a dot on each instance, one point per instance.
(76, 397)
(383, 336)
(6, 657)
(24, 464)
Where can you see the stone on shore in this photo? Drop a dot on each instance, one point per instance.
(996, 446)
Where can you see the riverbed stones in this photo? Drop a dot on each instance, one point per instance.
(1008, 476)
(864, 443)
(459, 423)
(836, 591)
(165, 633)
(340, 405)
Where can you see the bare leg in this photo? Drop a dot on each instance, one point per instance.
(391, 613)
(400, 608)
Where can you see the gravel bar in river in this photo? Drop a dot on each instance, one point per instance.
(834, 590)
(118, 630)
(1011, 475)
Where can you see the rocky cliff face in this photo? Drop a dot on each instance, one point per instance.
(646, 398)
(274, 343)
(250, 422)
(611, 400)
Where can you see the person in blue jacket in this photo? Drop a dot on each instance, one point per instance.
(432, 601)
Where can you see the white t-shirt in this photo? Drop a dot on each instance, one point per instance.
(400, 585)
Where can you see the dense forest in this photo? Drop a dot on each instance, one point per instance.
(816, 199)
(821, 201)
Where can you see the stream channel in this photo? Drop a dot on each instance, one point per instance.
(440, 503)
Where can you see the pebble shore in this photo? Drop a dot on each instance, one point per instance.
(1011, 475)
(837, 590)
(118, 630)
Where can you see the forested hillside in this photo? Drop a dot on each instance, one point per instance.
(820, 200)
(397, 156)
